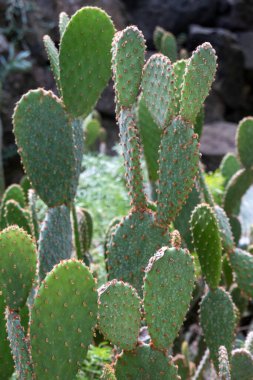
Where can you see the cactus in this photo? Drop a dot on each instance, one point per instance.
(165, 279)
(53, 56)
(66, 301)
(85, 64)
(18, 264)
(207, 243)
(229, 166)
(6, 360)
(14, 214)
(63, 22)
(241, 365)
(145, 363)
(218, 314)
(119, 314)
(169, 46)
(227, 238)
(244, 135)
(224, 370)
(242, 265)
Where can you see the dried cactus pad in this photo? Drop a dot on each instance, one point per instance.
(198, 78)
(134, 241)
(169, 276)
(218, 321)
(85, 59)
(119, 314)
(242, 265)
(46, 145)
(18, 263)
(62, 319)
(127, 61)
(145, 363)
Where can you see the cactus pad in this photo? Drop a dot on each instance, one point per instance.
(207, 243)
(46, 145)
(66, 302)
(198, 78)
(244, 135)
(135, 240)
(178, 157)
(169, 46)
(119, 314)
(127, 61)
(242, 265)
(63, 22)
(145, 363)
(85, 59)
(224, 367)
(227, 239)
(229, 166)
(157, 37)
(19, 346)
(6, 360)
(179, 70)
(14, 214)
(218, 321)
(158, 89)
(169, 276)
(55, 243)
(241, 365)
(53, 57)
(17, 266)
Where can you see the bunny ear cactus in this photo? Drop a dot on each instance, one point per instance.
(244, 135)
(14, 214)
(85, 59)
(241, 365)
(53, 57)
(63, 22)
(66, 301)
(242, 265)
(224, 367)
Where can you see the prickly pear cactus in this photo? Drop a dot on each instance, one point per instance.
(244, 135)
(224, 367)
(242, 265)
(119, 314)
(18, 263)
(241, 365)
(66, 302)
(170, 276)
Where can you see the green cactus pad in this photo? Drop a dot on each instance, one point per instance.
(242, 265)
(85, 59)
(85, 229)
(229, 166)
(63, 22)
(236, 188)
(224, 367)
(207, 243)
(241, 365)
(150, 135)
(119, 314)
(157, 37)
(182, 221)
(227, 239)
(17, 266)
(14, 214)
(128, 49)
(179, 70)
(32, 198)
(13, 192)
(55, 243)
(198, 78)
(47, 147)
(244, 135)
(19, 346)
(199, 122)
(178, 158)
(26, 186)
(66, 302)
(145, 363)
(131, 152)
(249, 342)
(235, 227)
(239, 299)
(53, 57)
(169, 276)
(218, 321)
(6, 360)
(169, 46)
(158, 89)
(135, 239)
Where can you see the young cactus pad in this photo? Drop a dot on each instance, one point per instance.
(134, 241)
(198, 78)
(158, 89)
(224, 367)
(18, 263)
(242, 265)
(207, 243)
(244, 135)
(119, 314)
(127, 61)
(169, 276)
(62, 319)
(46, 144)
(218, 321)
(85, 59)
(145, 363)
(178, 158)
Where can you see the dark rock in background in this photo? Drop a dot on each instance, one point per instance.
(227, 24)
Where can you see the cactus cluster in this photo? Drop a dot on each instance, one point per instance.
(49, 299)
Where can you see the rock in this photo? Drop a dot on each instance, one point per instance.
(229, 83)
(218, 138)
(173, 15)
(240, 16)
(245, 40)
